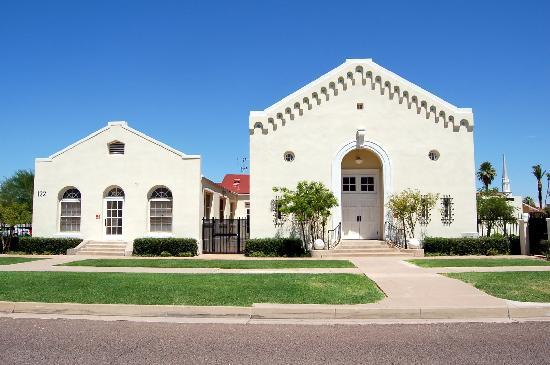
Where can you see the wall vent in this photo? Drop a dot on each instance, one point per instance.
(116, 148)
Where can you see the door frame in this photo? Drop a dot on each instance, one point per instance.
(112, 237)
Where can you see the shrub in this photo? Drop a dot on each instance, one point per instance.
(46, 245)
(467, 246)
(273, 247)
(540, 247)
(161, 246)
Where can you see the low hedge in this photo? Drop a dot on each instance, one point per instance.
(164, 246)
(540, 248)
(275, 247)
(467, 246)
(47, 245)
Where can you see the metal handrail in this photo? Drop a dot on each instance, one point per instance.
(336, 232)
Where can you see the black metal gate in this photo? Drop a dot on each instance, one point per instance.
(538, 232)
(224, 235)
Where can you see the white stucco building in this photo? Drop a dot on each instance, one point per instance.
(360, 129)
(366, 133)
(118, 184)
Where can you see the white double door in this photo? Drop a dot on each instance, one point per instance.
(360, 204)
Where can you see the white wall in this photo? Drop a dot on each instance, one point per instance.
(406, 136)
(89, 167)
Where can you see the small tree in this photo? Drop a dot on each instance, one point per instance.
(309, 206)
(494, 210)
(409, 206)
(10, 215)
(16, 194)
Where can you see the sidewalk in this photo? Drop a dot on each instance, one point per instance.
(412, 293)
(407, 285)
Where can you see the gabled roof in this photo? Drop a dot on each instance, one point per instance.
(237, 183)
(353, 73)
(124, 125)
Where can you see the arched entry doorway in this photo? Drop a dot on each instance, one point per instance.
(361, 195)
(373, 154)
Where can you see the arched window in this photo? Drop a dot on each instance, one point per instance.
(69, 217)
(115, 192)
(160, 210)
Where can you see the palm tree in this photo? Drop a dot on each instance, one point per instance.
(486, 174)
(537, 171)
(529, 201)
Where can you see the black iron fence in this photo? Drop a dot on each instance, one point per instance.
(500, 226)
(224, 235)
(538, 232)
(9, 235)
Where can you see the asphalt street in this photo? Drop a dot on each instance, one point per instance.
(69, 341)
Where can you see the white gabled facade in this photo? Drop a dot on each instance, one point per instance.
(365, 133)
(78, 191)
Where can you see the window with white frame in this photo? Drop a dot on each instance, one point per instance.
(367, 184)
(160, 210)
(207, 205)
(70, 204)
(222, 208)
(348, 183)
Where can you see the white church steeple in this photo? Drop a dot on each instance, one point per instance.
(505, 180)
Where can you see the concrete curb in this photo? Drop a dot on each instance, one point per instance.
(512, 310)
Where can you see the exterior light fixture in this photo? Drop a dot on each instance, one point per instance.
(358, 160)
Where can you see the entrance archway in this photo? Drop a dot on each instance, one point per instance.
(361, 181)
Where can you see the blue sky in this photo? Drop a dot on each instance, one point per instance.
(188, 73)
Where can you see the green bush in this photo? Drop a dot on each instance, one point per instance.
(46, 245)
(274, 247)
(467, 246)
(541, 248)
(162, 246)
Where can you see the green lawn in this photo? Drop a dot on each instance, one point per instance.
(220, 264)
(485, 262)
(187, 289)
(532, 286)
(16, 260)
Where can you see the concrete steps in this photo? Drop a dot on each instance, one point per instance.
(97, 248)
(363, 248)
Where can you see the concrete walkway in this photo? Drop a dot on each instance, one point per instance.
(412, 293)
(407, 285)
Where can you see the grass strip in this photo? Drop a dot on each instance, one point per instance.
(220, 264)
(532, 286)
(187, 289)
(485, 262)
(16, 260)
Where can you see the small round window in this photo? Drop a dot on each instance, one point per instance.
(289, 156)
(433, 155)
